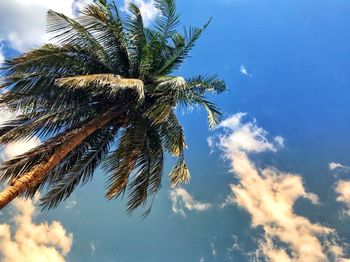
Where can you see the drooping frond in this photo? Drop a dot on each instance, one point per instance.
(173, 135)
(180, 173)
(43, 124)
(214, 114)
(121, 163)
(149, 169)
(81, 170)
(103, 83)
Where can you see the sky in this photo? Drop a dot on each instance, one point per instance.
(270, 183)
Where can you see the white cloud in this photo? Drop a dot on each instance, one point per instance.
(343, 191)
(92, 247)
(243, 70)
(28, 242)
(23, 22)
(337, 166)
(269, 195)
(2, 57)
(20, 147)
(181, 200)
(15, 148)
(70, 204)
(214, 252)
(234, 247)
(147, 8)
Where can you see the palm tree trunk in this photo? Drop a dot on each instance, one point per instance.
(34, 176)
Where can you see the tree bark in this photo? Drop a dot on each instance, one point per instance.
(34, 176)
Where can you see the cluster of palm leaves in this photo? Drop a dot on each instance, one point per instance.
(102, 93)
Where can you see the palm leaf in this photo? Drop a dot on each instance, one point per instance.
(122, 161)
(180, 173)
(191, 37)
(108, 83)
(82, 170)
(167, 22)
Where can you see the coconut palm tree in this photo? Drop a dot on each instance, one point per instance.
(103, 92)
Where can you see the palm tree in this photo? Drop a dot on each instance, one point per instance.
(101, 93)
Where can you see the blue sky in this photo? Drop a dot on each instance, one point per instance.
(270, 184)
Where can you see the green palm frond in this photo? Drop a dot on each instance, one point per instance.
(104, 22)
(81, 170)
(136, 37)
(121, 163)
(149, 169)
(167, 22)
(67, 31)
(173, 135)
(182, 52)
(204, 84)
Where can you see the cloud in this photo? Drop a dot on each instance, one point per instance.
(70, 204)
(235, 247)
(20, 147)
(2, 57)
(15, 148)
(337, 166)
(92, 247)
(147, 8)
(27, 241)
(243, 70)
(181, 200)
(269, 195)
(23, 22)
(214, 252)
(343, 191)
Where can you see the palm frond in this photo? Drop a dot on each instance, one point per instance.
(214, 114)
(136, 39)
(191, 37)
(108, 83)
(204, 84)
(122, 161)
(173, 135)
(67, 31)
(82, 170)
(104, 22)
(167, 22)
(180, 173)
(149, 169)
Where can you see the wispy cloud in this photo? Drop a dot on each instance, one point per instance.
(181, 201)
(147, 8)
(214, 252)
(243, 70)
(269, 195)
(337, 166)
(70, 204)
(31, 242)
(92, 247)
